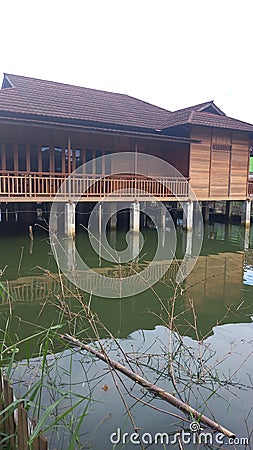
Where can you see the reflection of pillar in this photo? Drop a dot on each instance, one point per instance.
(135, 246)
(205, 211)
(246, 211)
(54, 219)
(135, 216)
(70, 219)
(163, 218)
(246, 239)
(188, 215)
(70, 253)
(113, 219)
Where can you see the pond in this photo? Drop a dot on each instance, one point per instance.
(194, 340)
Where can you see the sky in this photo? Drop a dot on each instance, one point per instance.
(172, 53)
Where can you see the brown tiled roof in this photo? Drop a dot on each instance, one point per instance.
(202, 107)
(40, 100)
(212, 120)
(50, 99)
(195, 116)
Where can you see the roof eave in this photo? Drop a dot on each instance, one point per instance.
(41, 122)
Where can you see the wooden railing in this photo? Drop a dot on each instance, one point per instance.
(34, 185)
(250, 187)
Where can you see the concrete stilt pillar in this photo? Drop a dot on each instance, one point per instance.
(113, 219)
(70, 219)
(205, 211)
(188, 215)
(135, 216)
(246, 213)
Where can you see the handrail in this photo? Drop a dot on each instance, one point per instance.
(32, 185)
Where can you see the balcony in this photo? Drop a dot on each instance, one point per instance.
(16, 187)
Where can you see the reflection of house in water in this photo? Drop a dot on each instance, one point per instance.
(215, 285)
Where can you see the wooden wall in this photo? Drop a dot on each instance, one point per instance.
(219, 164)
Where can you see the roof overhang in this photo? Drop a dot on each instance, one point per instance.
(61, 124)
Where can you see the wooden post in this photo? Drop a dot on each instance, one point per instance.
(70, 219)
(135, 216)
(246, 213)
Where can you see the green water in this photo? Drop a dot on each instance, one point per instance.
(212, 311)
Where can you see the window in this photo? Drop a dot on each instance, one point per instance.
(45, 159)
(58, 159)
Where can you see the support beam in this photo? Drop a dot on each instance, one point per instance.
(135, 216)
(70, 219)
(246, 213)
(188, 215)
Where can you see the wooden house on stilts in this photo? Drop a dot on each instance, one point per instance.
(49, 129)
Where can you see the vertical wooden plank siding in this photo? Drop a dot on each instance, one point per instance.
(200, 162)
(219, 173)
(219, 179)
(239, 165)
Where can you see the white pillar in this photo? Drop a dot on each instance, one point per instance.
(70, 219)
(246, 213)
(135, 216)
(188, 215)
